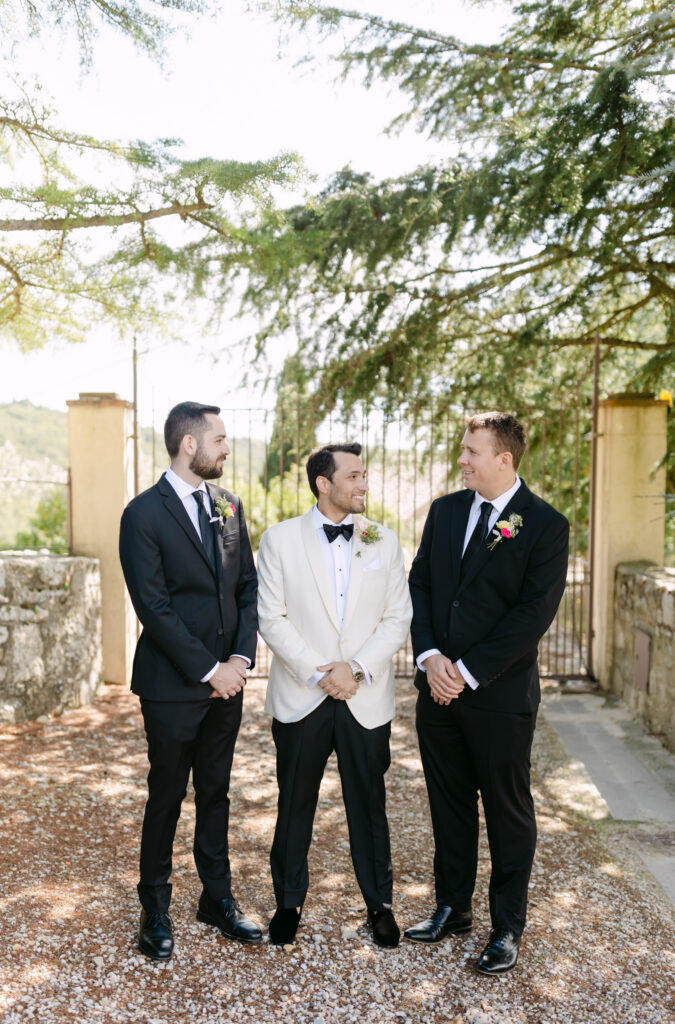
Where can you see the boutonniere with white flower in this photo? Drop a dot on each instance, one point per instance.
(224, 509)
(367, 532)
(505, 529)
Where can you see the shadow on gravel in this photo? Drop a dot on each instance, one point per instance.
(597, 949)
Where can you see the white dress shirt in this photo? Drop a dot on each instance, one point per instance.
(498, 505)
(184, 490)
(338, 558)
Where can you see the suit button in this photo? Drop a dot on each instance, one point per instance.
(220, 632)
(220, 596)
(455, 604)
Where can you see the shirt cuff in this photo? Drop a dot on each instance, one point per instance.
(208, 675)
(423, 657)
(243, 658)
(472, 682)
(315, 679)
(366, 673)
(318, 676)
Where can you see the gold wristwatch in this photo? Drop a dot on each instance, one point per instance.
(357, 672)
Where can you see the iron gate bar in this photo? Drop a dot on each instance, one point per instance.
(563, 649)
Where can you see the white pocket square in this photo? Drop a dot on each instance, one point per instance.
(375, 564)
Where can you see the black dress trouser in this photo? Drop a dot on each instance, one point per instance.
(303, 748)
(184, 736)
(466, 750)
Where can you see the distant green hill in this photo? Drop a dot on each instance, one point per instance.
(35, 432)
(34, 447)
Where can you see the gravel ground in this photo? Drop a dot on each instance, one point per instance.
(598, 948)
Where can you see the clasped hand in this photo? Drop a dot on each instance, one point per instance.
(338, 681)
(445, 680)
(229, 678)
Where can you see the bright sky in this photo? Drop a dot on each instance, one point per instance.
(230, 91)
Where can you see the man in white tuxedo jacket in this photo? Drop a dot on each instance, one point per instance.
(334, 608)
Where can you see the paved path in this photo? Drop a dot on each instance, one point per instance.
(598, 948)
(632, 772)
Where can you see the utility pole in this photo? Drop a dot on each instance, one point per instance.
(590, 652)
(154, 461)
(135, 403)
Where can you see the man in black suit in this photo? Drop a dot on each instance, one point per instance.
(189, 569)
(485, 584)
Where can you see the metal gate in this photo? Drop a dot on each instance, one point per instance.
(411, 461)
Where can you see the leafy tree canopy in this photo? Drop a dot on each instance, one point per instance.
(143, 21)
(549, 223)
(80, 236)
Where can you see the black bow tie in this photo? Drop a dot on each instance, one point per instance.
(346, 529)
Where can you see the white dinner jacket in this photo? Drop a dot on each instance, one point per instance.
(298, 620)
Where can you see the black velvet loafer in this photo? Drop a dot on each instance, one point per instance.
(385, 930)
(284, 925)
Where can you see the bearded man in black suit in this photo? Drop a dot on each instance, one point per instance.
(189, 569)
(485, 584)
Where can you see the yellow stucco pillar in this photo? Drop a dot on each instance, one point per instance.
(629, 519)
(100, 450)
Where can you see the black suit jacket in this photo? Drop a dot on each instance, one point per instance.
(191, 616)
(494, 618)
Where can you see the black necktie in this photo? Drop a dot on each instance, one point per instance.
(346, 529)
(479, 533)
(208, 538)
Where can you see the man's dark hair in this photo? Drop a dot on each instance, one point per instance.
(322, 463)
(186, 418)
(508, 432)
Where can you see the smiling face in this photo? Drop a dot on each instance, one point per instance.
(484, 469)
(209, 450)
(346, 492)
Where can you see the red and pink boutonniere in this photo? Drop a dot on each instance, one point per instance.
(224, 510)
(505, 529)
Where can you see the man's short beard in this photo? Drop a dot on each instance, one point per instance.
(200, 466)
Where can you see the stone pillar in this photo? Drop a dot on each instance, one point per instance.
(629, 517)
(100, 449)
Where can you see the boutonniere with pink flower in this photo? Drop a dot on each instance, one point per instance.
(224, 509)
(367, 532)
(506, 529)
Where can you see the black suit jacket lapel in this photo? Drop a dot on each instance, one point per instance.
(458, 524)
(518, 502)
(175, 506)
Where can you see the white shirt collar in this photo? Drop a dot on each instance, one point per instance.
(501, 501)
(320, 519)
(182, 488)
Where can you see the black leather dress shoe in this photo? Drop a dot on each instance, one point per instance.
(385, 930)
(501, 952)
(284, 925)
(155, 936)
(226, 915)
(444, 921)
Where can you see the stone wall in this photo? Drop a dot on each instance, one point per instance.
(643, 665)
(50, 633)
